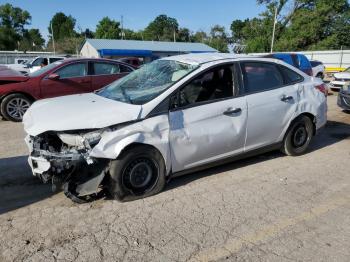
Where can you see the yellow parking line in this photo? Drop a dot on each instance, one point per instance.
(234, 245)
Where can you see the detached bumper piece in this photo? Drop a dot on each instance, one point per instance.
(86, 184)
(344, 100)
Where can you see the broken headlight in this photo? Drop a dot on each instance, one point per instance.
(81, 140)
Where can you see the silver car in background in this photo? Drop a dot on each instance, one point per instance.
(171, 117)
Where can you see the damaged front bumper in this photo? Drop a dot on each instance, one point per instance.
(66, 166)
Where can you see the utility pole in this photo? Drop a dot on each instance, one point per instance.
(53, 40)
(122, 24)
(274, 29)
(174, 36)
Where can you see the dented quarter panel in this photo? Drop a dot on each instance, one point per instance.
(152, 131)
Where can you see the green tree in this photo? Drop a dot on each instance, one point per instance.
(200, 37)
(184, 35)
(62, 26)
(218, 38)
(132, 35)
(12, 22)
(162, 28)
(32, 40)
(107, 29)
(301, 25)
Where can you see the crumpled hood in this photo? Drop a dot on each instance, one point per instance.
(74, 112)
(342, 75)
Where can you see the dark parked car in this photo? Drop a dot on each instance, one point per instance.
(344, 97)
(299, 61)
(65, 77)
(134, 61)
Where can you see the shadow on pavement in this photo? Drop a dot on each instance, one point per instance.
(18, 187)
(332, 133)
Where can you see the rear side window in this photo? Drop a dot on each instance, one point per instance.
(260, 76)
(72, 70)
(290, 77)
(105, 68)
(315, 63)
(54, 59)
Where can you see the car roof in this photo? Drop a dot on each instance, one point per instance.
(82, 59)
(201, 58)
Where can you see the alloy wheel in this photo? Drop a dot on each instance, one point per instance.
(16, 107)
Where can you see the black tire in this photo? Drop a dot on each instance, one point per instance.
(9, 110)
(138, 173)
(320, 75)
(298, 136)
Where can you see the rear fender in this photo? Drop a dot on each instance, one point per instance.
(310, 102)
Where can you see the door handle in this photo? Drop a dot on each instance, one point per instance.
(232, 111)
(285, 98)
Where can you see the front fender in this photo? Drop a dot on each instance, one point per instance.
(152, 131)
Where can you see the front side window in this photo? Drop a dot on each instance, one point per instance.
(105, 68)
(45, 69)
(72, 70)
(260, 76)
(218, 83)
(146, 83)
(38, 61)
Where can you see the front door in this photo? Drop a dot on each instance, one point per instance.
(209, 121)
(73, 79)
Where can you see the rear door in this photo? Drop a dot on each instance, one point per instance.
(272, 101)
(73, 79)
(104, 73)
(209, 121)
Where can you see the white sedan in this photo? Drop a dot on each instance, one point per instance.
(171, 117)
(340, 79)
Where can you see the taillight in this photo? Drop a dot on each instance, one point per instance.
(322, 88)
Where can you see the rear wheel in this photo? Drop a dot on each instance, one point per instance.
(14, 106)
(298, 136)
(138, 173)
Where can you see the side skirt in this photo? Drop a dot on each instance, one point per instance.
(251, 153)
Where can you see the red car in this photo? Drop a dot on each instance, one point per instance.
(65, 77)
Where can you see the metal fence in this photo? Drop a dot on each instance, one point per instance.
(334, 60)
(8, 57)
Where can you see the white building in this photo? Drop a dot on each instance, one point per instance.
(148, 50)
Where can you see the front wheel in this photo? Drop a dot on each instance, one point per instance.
(138, 173)
(14, 106)
(298, 136)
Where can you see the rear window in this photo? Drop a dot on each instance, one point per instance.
(260, 76)
(290, 77)
(125, 69)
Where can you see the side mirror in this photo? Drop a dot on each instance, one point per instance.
(53, 77)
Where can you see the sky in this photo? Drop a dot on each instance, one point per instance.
(193, 14)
